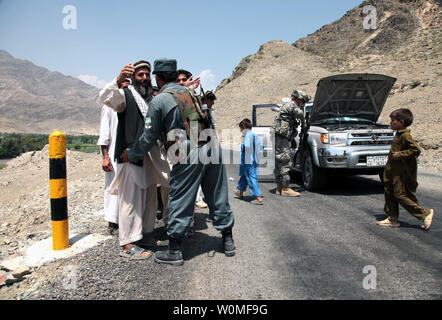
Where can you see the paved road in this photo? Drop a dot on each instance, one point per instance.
(312, 247)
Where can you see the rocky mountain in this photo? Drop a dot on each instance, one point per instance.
(36, 100)
(406, 44)
(397, 24)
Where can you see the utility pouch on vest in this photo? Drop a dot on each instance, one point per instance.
(281, 127)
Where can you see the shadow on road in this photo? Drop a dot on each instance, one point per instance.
(347, 185)
(198, 243)
(195, 244)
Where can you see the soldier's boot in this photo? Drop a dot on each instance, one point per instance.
(228, 244)
(278, 188)
(172, 255)
(287, 192)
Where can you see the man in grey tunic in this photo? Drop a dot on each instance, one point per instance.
(167, 116)
(290, 116)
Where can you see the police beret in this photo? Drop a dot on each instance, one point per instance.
(164, 65)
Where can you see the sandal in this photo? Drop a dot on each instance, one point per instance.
(238, 193)
(428, 220)
(388, 223)
(259, 203)
(134, 253)
(201, 205)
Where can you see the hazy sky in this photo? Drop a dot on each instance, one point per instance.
(207, 37)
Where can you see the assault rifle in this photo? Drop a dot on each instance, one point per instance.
(208, 117)
(302, 139)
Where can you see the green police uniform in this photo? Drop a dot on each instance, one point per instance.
(400, 177)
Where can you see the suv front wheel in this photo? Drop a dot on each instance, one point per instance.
(313, 177)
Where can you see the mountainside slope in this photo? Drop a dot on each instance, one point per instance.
(265, 77)
(36, 100)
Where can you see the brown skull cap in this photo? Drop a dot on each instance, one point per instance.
(142, 64)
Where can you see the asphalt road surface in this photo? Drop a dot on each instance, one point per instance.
(323, 245)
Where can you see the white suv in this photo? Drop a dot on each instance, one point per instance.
(343, 133)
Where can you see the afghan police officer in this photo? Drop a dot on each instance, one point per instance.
(290, 116)
(171, 114)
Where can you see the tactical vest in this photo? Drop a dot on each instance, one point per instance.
(190, 109)
(287, 128)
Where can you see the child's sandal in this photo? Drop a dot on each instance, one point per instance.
(427, 221)
(388, 223)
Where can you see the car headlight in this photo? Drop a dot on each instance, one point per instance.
(324, 138)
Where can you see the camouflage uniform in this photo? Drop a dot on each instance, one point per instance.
(285, 125)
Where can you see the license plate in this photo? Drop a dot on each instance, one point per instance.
(376, 161)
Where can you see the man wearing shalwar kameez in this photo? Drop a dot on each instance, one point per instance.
(135, 183)
(251, 148)
(108, 132)
(106, 141)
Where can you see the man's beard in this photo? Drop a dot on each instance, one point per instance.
(144, 88)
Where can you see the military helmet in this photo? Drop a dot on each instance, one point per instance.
(298, 94)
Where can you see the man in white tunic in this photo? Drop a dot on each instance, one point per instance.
(135, 183)
(106, 141)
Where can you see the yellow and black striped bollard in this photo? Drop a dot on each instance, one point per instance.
(58, 190)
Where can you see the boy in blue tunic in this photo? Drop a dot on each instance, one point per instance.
(251, 148)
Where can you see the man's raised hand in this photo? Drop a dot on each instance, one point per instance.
(127, 72)
(192, 83)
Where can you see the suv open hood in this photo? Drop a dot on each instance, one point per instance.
(356, 95)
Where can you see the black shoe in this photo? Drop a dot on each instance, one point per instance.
(228, 244)
(172, 256)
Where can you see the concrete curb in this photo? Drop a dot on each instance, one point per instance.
(42, 252)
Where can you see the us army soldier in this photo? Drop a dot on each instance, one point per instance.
(286, 122)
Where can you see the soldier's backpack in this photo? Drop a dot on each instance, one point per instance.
(190, 108)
